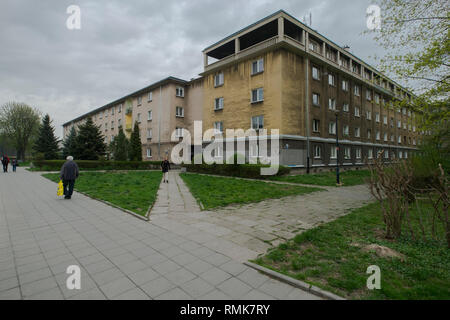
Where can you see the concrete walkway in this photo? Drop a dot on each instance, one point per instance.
(120, 256)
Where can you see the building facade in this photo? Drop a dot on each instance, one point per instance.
(274, 74)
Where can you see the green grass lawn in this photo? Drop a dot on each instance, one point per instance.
(348, 178)
(327, 257)
(216, 192)
(134, 191)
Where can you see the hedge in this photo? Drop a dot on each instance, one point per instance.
(55, 165)
(252, 171)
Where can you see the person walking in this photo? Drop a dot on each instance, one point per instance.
(14, 164)
(69, 173)
(5, 161)
(165, 166)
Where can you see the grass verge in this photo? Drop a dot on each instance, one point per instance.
(216, 192)
(134, 191)
(348, 178)
(331, 257)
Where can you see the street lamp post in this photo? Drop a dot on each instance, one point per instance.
(337, 150)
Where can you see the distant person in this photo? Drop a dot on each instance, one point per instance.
(165, 166)
(5, 161)
(14, 164)
(69, 173)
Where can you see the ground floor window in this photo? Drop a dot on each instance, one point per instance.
(333, 152)
(347, 151)
(317, 152)
(149, 153)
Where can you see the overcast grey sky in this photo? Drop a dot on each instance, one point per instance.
(126, 45)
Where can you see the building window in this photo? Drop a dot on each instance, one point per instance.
(331, 80)
(150, 96)
(370, 154)
(317, 152)
(139, 101)
(149, 115)
(345, 85)
(120, 108)
(218, 127)
(218, 79)
(149, 153)
(400, 155)
(357, 114)
(179, 92)
(358, 153)
(149, 134)
(369, 134)
(399, 124)
(179, 132)
(333, 152)
(332, 127)
(399, 139)
(179, 112)
(385, 137)
(315, 73)
(316, 99)
(378, 135)
(106, 114)
(316, 125)
(218, 152)
(345, 107)
(369, 115)
(345, 130)
(258, 122)
(385, 118)
(139, 118)
(254, 151)
(386, 154)
(112, 110)
(218, 104)
(257, 95)
(257, 66)
(392, 138)
(357, 91)
(377, 98)
(377, 116)
(347, 151)
(119, 122)
(357, 132)
(368, 95)
(112, 124)
(332, 104)
(404, 125)
(404, 111)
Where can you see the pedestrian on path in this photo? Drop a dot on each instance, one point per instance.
(165, 166)
(14, 164)
(69, 173)
(5, 161)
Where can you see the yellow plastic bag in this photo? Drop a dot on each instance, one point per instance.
(60, 188)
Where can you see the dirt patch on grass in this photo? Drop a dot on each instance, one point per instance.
(383, 252)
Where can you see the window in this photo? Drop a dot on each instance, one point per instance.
(179, 112)
(414, 128)
(392, 138)
(332, 104)
(378, 135)
(257, 95)
(179, 92)
(386, 154)
(399, 124)
(257, 66)
(179, 132)
(385, 136)
(345, 85)
(414, 141)
(218, 127)
(218, 104)
(377, 98)
(368, 95)
(399, 140)
(345, 130)
(316, 99)
(150, 96)
(100, 115)
(258, 122)
(400, 155)
(218, 152)
(119, 122)
(120, 108)
(404, 125)
(377, 117)
(112, 110)
(317, 152)
(370, 154)
(347, 151)
(139, 101)
(369, 115)
(357, 91)
(332, 128)
(315, 73)
(357, 132)
(345, 107)
(385, 120)
(358, 153)
(392, 122)
(404, 111)
(314, 46)
(316, 125)
(369, 134)
(112, 124)
(406, 154)
(139, 118)
(106, 114)
(149, 133)
(149, 153)
(357, 114)
(254, 151)
(218, 79)
(112, 138)
(331, 80)
(106, 126)
(149, 115)
(333, 152)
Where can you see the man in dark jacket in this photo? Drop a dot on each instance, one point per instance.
(69, 173)
(5, 161)
(165, 166)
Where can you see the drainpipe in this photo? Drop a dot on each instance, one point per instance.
(308, 151)
(159, 122)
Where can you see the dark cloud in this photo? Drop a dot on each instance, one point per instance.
(126, 45)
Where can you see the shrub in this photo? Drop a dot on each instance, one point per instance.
(55, 165)
(252, 171)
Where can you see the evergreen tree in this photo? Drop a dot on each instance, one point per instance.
(135, 152)
(69, 145)
(46, 142)
(119, 146)
(90, 143)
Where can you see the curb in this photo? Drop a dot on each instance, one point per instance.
(296, 283)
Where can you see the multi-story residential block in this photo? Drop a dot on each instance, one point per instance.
(161, 109)
(280, 74)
